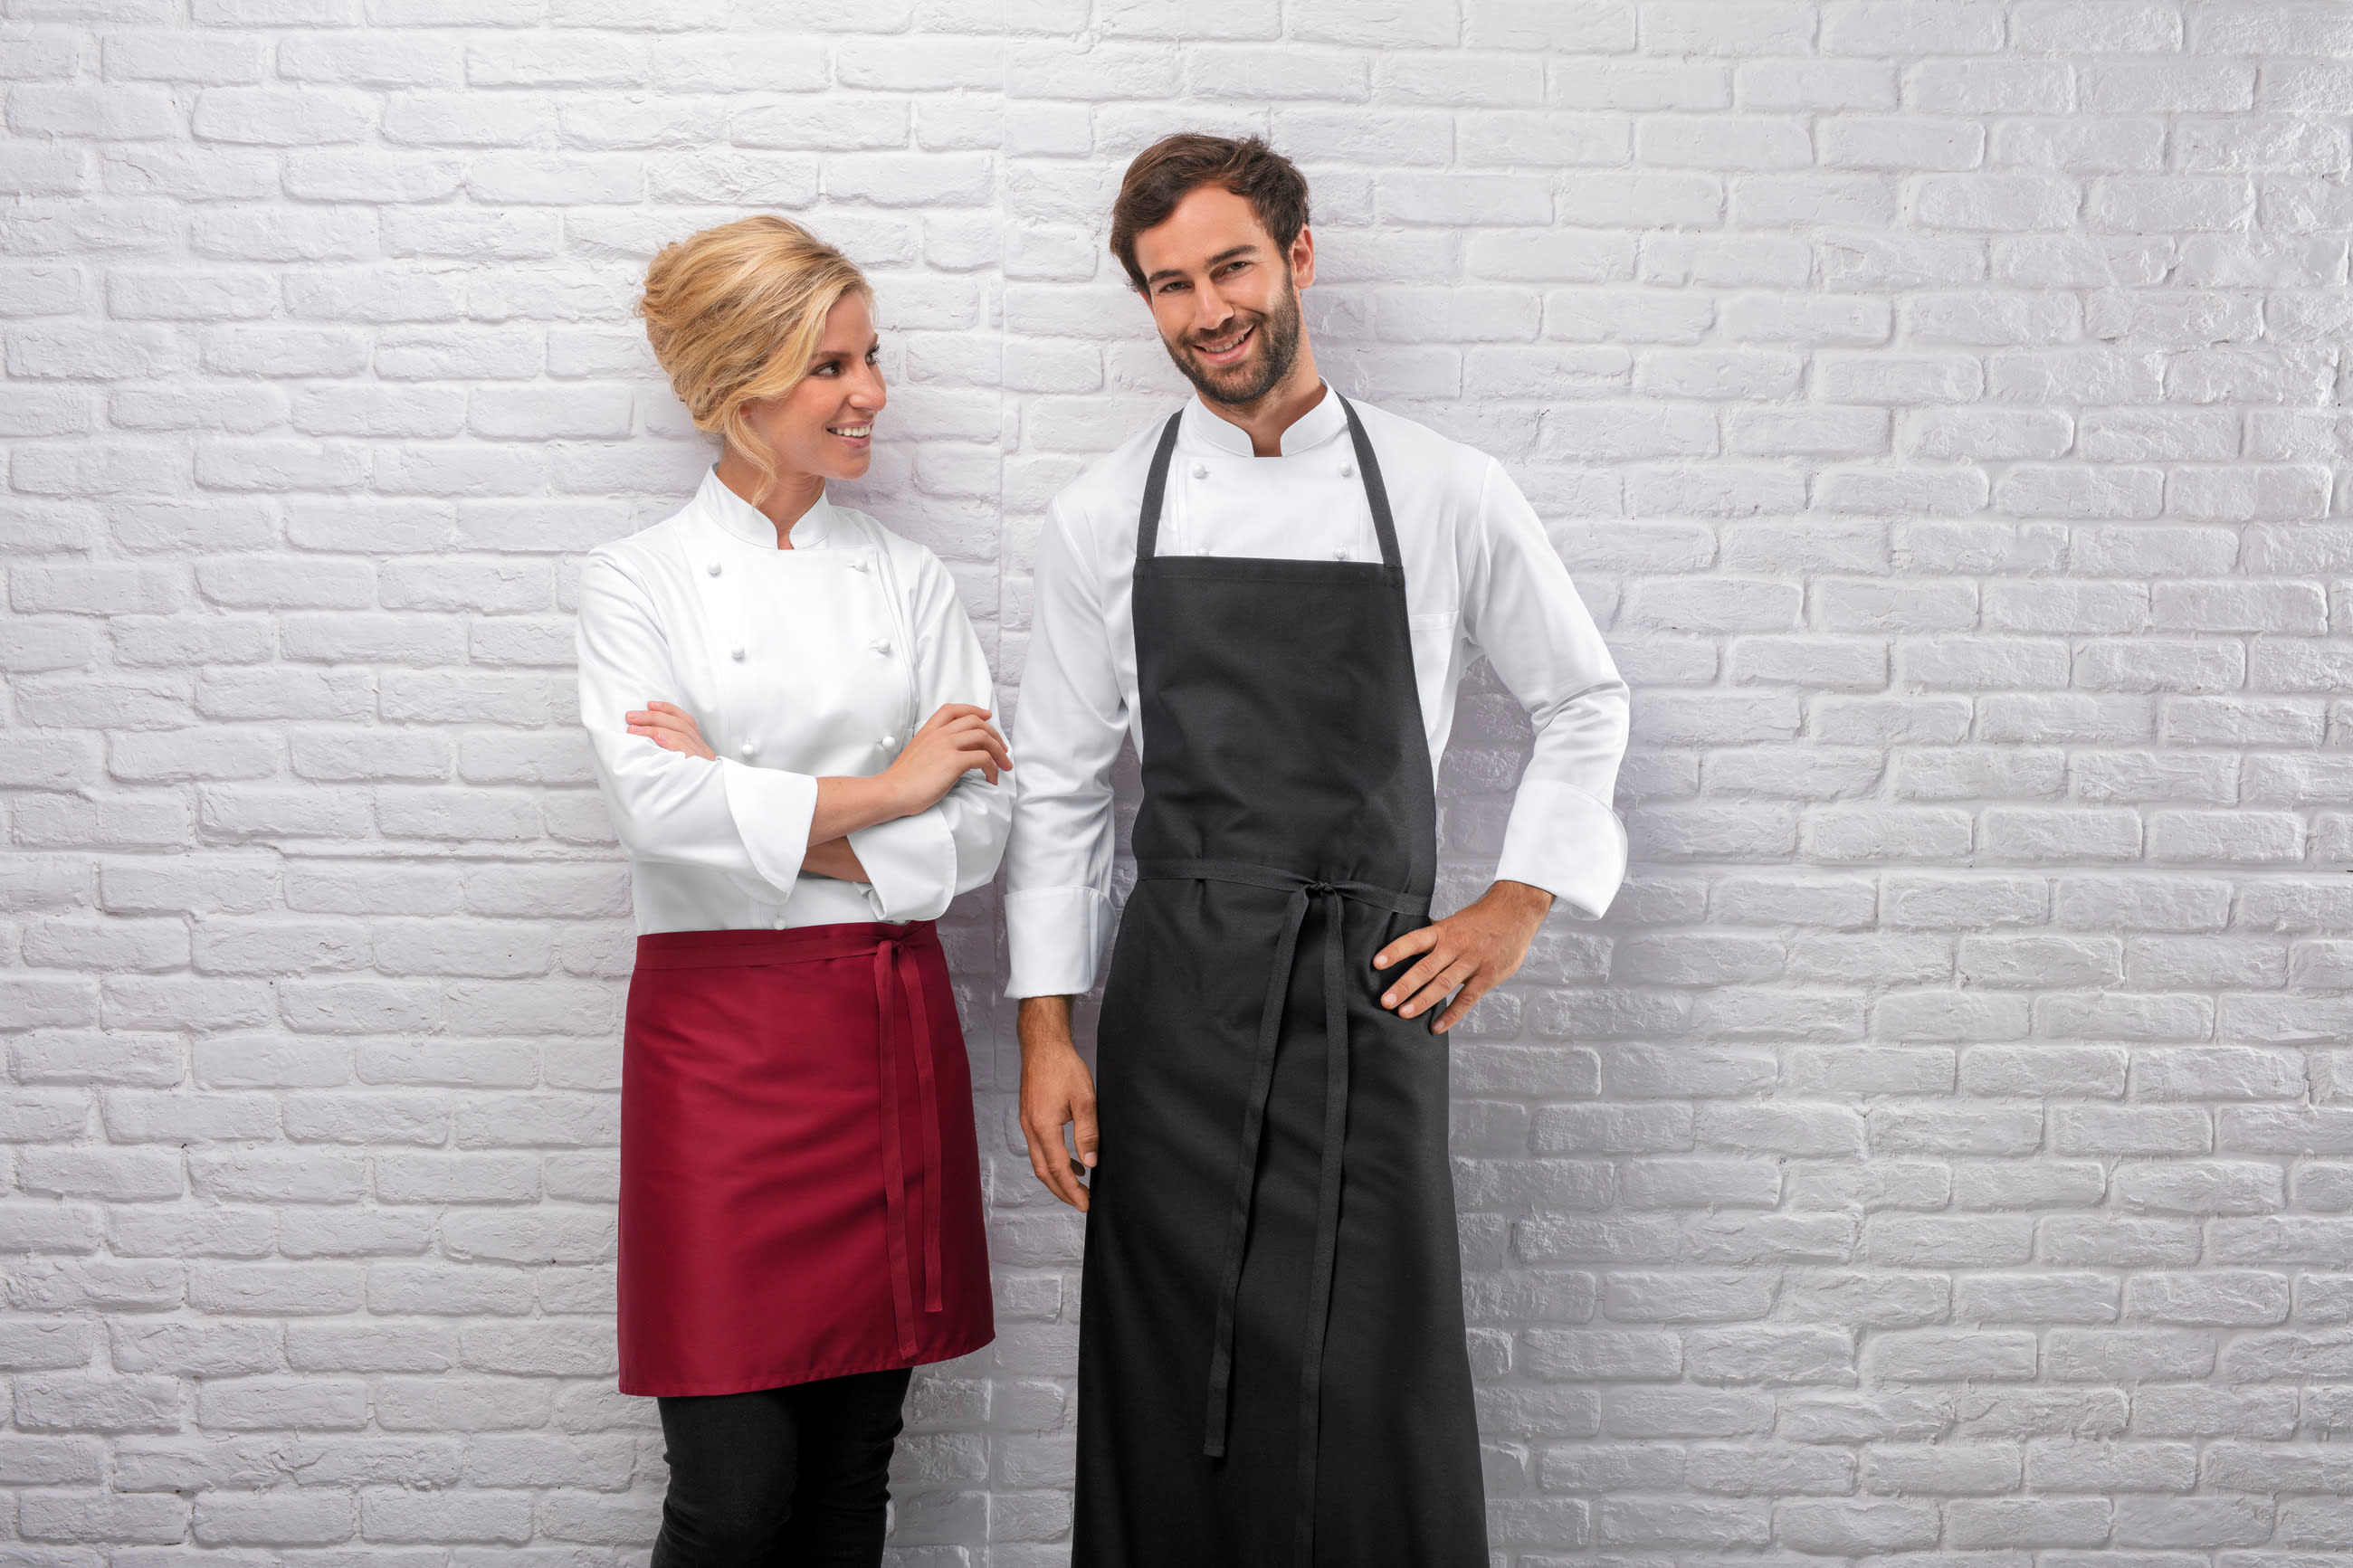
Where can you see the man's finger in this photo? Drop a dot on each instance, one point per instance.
(1083, 1133)
(1036, 1156)
(1052, 1169)
(1448, 978)
(1464, 999)
(1405, 947)
(1402, 991)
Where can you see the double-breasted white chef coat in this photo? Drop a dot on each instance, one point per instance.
(1481, 577)
(819, 661)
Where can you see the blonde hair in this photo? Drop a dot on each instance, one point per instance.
(735, 313)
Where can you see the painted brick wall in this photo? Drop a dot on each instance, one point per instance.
(1943, 1150)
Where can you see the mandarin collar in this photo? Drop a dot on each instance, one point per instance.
(741, 519)
(1310, 430)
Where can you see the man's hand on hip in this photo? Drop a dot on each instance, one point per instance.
(1467, 954)
(1057, 1091)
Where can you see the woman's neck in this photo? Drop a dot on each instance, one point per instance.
(789, 497)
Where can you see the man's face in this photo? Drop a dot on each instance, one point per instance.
(1225, 298)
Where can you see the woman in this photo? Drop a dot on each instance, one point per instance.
(790, 717)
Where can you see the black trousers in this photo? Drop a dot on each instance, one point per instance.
(785, 1477)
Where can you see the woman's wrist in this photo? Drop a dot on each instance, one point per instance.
(845, 805)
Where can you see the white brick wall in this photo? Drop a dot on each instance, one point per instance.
(1944, 1148)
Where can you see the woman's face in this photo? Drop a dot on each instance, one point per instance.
(825, 425)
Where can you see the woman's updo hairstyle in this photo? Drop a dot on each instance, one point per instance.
(735, 313)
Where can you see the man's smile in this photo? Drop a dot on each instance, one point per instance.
(1227, 350)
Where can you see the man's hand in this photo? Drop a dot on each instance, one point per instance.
(1057, 1090)
(1468, 953)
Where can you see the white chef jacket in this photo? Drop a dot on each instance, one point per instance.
(1481, 577)
(819, 660)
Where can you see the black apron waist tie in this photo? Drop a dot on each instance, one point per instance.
(1329, 1171)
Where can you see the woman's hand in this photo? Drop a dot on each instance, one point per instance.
(671, 728)
(835, 858)
(953, 742)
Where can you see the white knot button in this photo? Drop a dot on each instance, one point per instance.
(890, 741)
(1347, 471)
(882, 645)
(1200, 470)
(1339, 556)
(749, 748)
(780, 925)
(713, 569)
(735, 654)
(857, 564)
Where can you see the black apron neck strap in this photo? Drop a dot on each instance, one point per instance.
(1155, 485)
(1376, 494)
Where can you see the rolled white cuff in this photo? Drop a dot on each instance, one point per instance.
(1563, 840)
(1056, 936)
(772, 809)
(911, 865)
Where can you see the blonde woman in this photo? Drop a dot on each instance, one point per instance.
(791, 721)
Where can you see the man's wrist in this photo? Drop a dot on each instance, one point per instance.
(1043, 1023)
(1525, 895)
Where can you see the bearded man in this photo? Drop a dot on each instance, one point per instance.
(1274, 591)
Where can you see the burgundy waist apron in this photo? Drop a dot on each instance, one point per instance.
(800, 1188)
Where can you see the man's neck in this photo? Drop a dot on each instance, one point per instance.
(1285, 404)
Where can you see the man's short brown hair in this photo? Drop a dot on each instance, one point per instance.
(1174, 166)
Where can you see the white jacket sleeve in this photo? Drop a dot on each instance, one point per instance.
(1073, 717)
(916, 865)
(1522, 611)
(750, 823)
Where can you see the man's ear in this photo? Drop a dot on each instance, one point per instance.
(1303, 259)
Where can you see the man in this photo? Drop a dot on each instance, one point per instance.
(1276, 592)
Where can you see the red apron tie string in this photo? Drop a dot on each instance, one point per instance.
(895, 962)
(921, 1042)
(894, 1167)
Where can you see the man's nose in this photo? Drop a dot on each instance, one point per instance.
(1211, 309)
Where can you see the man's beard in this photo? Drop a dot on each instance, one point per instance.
(1277, 332)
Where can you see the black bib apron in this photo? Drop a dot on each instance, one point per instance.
(1271, 1368)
